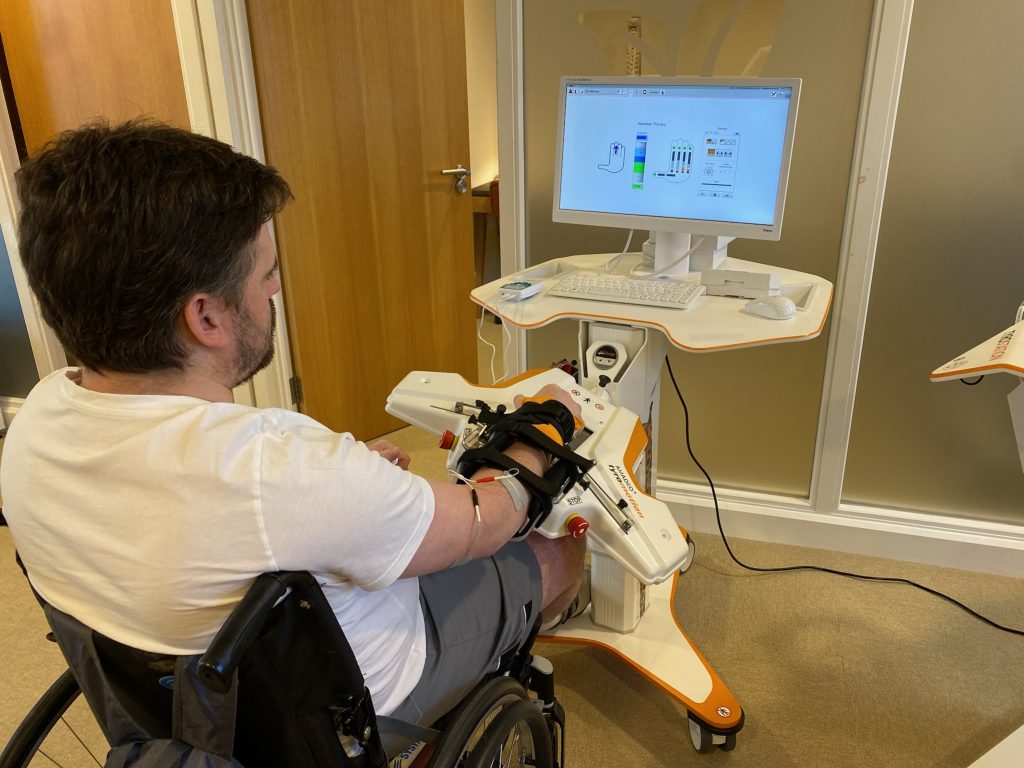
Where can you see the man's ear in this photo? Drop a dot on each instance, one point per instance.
(207, 321)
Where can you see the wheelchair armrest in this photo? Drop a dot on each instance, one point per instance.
(217, 666)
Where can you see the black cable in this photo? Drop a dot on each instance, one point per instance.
(822, 569)
(972, 383)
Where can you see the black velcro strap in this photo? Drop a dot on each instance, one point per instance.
(521, 426)
(492, 456)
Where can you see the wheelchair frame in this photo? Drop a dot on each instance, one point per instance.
(473, 735)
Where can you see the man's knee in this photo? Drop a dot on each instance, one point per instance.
(561, 564)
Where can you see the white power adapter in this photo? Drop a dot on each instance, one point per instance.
(519, 290)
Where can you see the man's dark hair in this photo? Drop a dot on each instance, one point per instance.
(121, 224)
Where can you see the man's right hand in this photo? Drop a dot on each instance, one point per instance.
(555, 392)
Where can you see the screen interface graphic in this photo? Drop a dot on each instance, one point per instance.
(710, 153)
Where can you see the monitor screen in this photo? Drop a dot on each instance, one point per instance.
(697, 155)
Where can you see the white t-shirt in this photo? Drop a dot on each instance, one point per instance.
(147, 517)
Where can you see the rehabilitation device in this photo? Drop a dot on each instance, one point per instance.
(636, 546)
(697, 162)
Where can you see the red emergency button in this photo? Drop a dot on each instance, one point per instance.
(447, 440)
(576, 526)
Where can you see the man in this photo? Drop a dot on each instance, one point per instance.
(143, 501)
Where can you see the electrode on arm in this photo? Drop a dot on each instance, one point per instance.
(547, 425)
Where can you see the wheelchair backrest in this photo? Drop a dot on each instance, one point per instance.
(152, 708)
(297, 684)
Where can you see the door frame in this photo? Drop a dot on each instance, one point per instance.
(508, 16)
(47, 351)
(220, 90)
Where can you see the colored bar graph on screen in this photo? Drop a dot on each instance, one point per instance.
(639, 160)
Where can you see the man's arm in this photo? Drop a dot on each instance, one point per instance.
(452, 530)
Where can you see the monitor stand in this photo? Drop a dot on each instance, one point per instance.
(667, 251)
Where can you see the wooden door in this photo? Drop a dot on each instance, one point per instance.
(75, 61)
(363, 103)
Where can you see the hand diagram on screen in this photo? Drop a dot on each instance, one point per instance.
(616, 158)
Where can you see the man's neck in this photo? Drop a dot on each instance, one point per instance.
(183, 383)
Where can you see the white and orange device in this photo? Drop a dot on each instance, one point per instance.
(637, 549)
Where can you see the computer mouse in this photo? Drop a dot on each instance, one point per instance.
(772, 307)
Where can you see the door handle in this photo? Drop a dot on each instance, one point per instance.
(460, 175)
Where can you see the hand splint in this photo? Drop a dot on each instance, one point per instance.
(547, 425)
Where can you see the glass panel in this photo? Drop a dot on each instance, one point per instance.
(17, 366)
(948, 274)
(755, 411)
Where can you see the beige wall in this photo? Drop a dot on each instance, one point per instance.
(481, 84)
(949, 273)
(740, 401)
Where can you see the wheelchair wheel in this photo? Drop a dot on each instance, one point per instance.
(41, 719)
(471, 719)
(517, 736)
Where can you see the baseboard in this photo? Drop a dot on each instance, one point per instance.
(950, 542)
(8, 407)
(1004, 755)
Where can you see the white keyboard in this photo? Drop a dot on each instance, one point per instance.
(622, 289)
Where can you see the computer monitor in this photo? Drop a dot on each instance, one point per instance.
(705, 157)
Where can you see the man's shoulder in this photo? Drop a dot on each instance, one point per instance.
(275, 419)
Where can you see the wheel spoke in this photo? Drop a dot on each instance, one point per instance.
(84, 746)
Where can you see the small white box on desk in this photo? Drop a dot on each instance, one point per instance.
(746, 285)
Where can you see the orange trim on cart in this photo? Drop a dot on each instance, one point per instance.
(651, 324)
(706, 710)
(720, 696)
(636, 445)
(719, 699)
(981, 369)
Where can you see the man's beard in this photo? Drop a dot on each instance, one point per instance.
(255, 349)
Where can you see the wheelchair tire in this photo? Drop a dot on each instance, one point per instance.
(471, 718)
(41, 719)
(530, 739)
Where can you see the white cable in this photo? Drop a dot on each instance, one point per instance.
(507, 348)
(507, 334)
(1020, 313)
(506, 358)
(480, 335)
(612, 262)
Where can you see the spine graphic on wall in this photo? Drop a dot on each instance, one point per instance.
(616, 158)
(639, 160)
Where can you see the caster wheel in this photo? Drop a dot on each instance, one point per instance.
(703, 740)
(690, 549)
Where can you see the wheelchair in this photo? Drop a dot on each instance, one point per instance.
(279, 686)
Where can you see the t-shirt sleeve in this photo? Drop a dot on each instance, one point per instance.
(330, 504)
